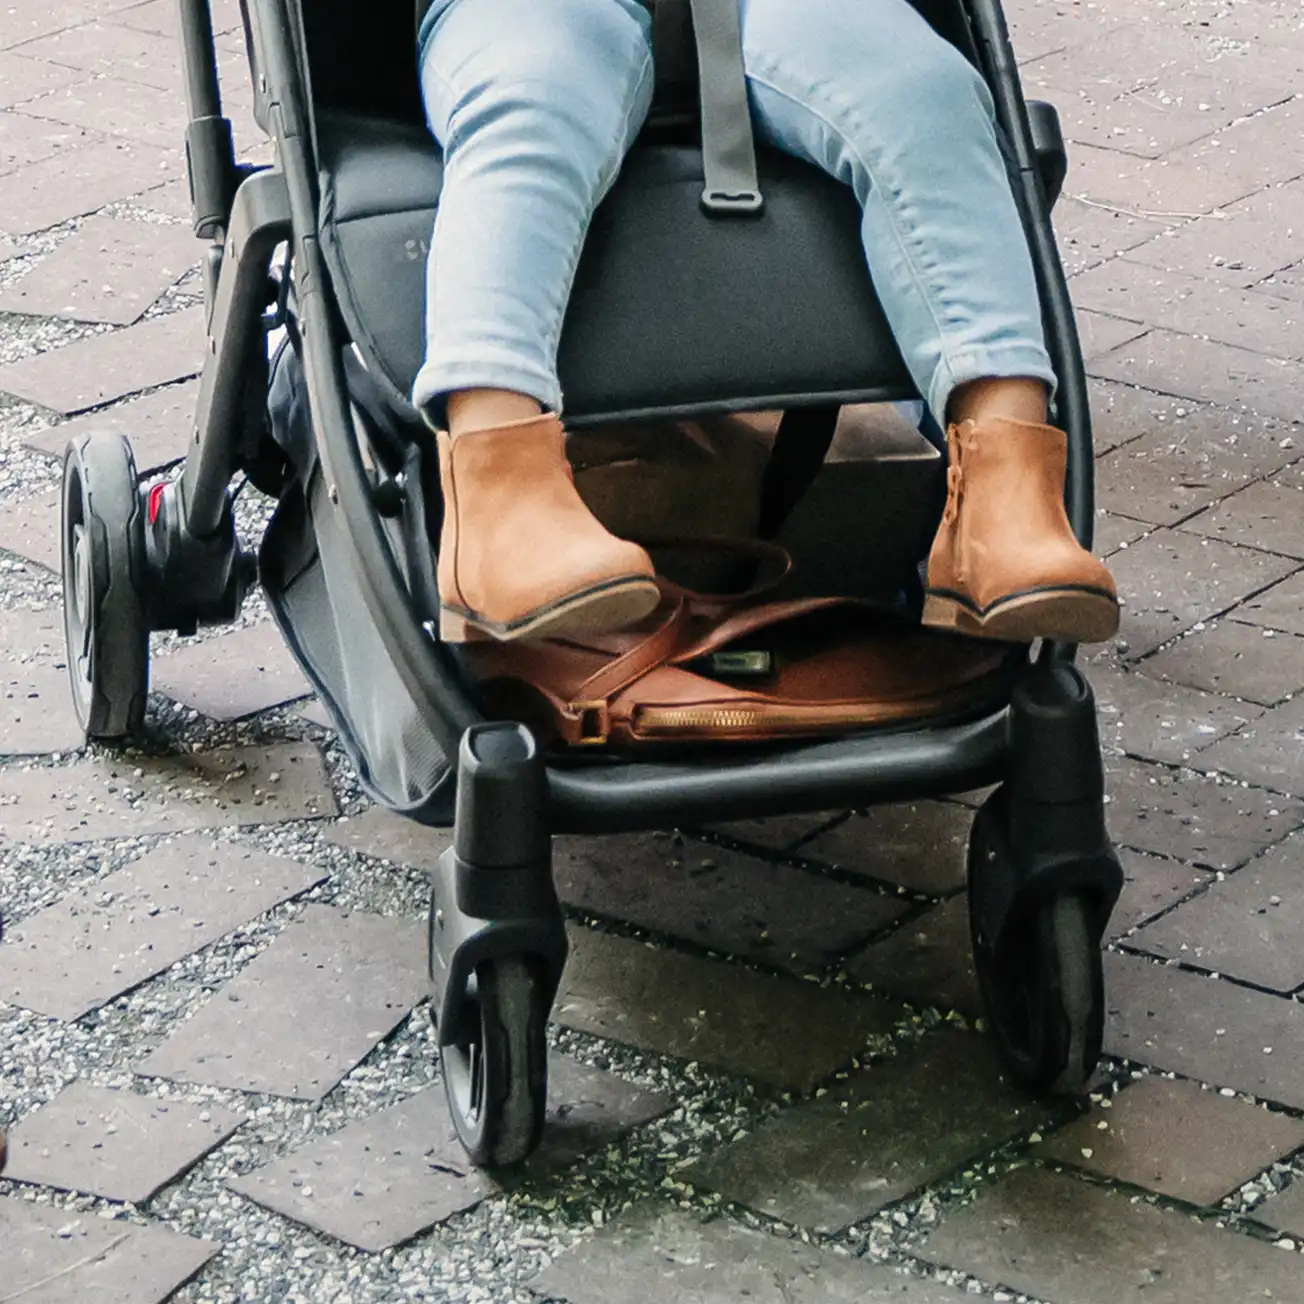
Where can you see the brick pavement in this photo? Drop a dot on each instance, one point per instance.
(212, 1066)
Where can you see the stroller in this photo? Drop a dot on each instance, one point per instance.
(329, 244)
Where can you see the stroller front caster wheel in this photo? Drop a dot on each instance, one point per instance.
(1043, 988)
(497, 1083)
(106, 625)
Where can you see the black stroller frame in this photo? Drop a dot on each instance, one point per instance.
(1043, 875)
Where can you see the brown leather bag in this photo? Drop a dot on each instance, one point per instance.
(717, 669)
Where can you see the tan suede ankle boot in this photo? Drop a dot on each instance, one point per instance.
(520, 555)
(1006, 564)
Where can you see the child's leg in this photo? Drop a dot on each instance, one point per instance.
(868, 91)
(535, 103)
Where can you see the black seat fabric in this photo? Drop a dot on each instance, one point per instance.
(672, 310)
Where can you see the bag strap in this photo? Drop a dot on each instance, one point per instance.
(800, 447)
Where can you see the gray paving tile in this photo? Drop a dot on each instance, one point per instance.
(928, 962)
(315, 713)
(23, 79)
(109, 366)
(1205, 1028)
(1113, 532)
(127, 110)
(31, 529)
(113, 798)
(1100, 333)
(658, 1254)
(383, 1180)
(158, 425)
(791, 1034)
(1043, 1235)
(1161, 722)
(113, 48)
(231, 675)
(1242, 661)
(1087, 232)
(25, 139)
(1204, 369)
(36, 712)
(1209, 824)
(718, 898)
(112, 934)
(778, 834)
(80, 181)
(1172, 581)
(386, 836)
(874, 1139)
(109, 270)
(114, 1144)
(32, 635)
(305, 1011)
(1284, 1212)
(918, 845)
(1229, 314)
(1176, 467)
(1121, 413)
(1268, 751)
(1246, 926)
(1146, 1138)
(1262, 515)
(1280, 607)
(55, 1256)
(1152, 884)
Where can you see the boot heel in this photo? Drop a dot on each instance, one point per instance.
(457, 629)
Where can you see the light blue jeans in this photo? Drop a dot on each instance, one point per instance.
(536, 102)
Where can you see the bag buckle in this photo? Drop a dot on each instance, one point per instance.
(737, 203)
(594, 719)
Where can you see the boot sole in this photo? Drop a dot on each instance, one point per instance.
(603, 609)
(1063, 615)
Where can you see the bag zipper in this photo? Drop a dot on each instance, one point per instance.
(651, 721)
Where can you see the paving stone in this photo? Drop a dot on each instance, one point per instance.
(113, 48)
(305, 1011)
(791, 1034)
(383, 1180)
(24, 79)
(54, 1256)
(782, 833)
(1145, 1139)
(108, 270)
(1151, 884)
(1262, 515)
(928, 962)
(1204, 369)
(1280, 607)
(656, 1254)
(1246, 926)
(160, 17)
(114, 933)
(108, 366)
(31, 529)
(1099, 333)
(1244, 661)
(718, 898)
(315, 713)
(874, 1139)
(1162, 722)
(1188, 461)
(25, 139)
(1210, 824)
(1240, 245)
(1284, 1212)
(124, 109)
(1205, 1028)
(385, 836)
(1267, 751)
(36, 711)
(78, 182)
(231, 675)
(1114, 532)
(1134, 293)
(33, 635)
(918, 845)
(114, 798)
(1087, 233)
(114, 1144)
(158, 426)
(1063, 1240)
(1121, 413)
(1172, 581)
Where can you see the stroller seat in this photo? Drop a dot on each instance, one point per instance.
(670, 313)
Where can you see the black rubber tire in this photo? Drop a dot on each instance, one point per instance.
(1044, 992)
(106, 627)
(497, 1085)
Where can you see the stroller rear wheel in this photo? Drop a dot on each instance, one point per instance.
(497, 1083)
(1043, 986)
(106, 625)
